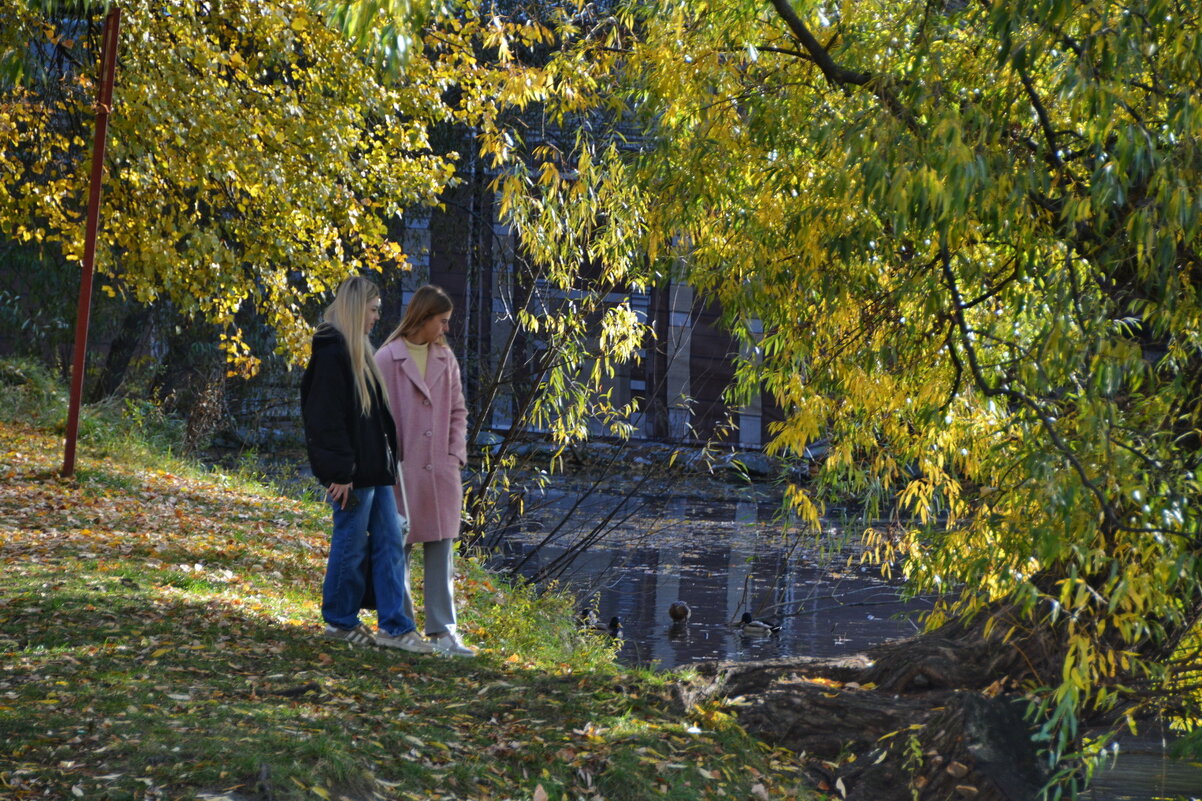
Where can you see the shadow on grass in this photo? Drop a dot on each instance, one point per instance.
(130, 683)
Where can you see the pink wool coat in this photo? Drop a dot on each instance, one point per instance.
(431, 432)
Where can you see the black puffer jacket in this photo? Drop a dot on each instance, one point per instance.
(344, 444)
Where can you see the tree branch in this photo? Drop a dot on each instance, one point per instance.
(991, 390)
(785, 51)
(1048, 133)
(836, 74)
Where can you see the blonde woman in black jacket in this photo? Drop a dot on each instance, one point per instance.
(352, 449)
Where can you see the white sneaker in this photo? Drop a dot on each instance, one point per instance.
(410, 641)
(449, 644)
(359, 635)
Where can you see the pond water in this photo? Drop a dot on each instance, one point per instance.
(721, 559)
(724, 558)
(1144, 771)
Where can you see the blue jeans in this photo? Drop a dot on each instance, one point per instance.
(372, 509)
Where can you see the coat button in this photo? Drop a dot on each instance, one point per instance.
(429, 433)
(426, 402)
(429, 467)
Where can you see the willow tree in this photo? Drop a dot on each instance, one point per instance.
(960, 242)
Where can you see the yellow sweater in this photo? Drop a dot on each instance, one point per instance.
(420, 355)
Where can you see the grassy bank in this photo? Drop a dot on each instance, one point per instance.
(158, 639)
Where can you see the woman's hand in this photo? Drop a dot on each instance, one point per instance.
(340, 493)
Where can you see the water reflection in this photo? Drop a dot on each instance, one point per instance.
(1143, 771)
(720, 559)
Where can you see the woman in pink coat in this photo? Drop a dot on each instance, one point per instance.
(426, 395)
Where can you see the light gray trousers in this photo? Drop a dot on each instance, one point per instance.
(439, 586)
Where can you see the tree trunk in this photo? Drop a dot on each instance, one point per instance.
(192, 379)
(925, 718)
(121, 353)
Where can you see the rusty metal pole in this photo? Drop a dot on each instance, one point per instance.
(104, 101)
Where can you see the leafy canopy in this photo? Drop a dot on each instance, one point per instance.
(254, 157)
(257, 155)
(969, 236)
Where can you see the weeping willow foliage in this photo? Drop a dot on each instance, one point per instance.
(960, 242)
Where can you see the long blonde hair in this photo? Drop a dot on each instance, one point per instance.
(428, 301)
(347, 315)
